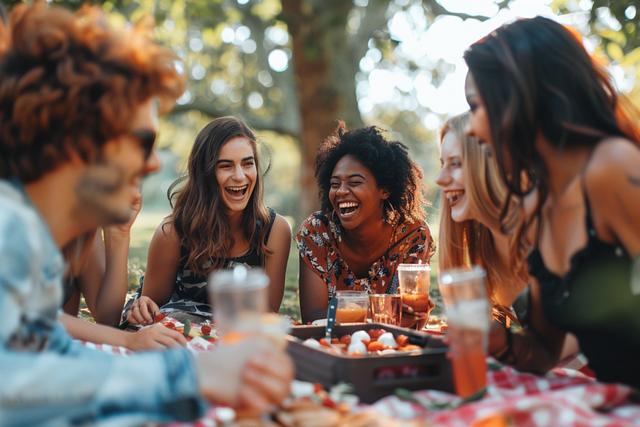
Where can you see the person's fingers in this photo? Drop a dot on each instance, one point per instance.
(134, 315)
(146, 308)
(253, 402)
(174, 336)
(269, 374)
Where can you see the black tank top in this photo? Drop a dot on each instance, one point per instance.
(595, 301)
(190, 291)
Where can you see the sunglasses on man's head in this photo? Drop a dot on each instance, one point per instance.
(147, 139)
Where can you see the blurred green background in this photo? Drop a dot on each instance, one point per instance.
(291, 68)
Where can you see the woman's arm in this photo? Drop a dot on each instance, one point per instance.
(537, 348)
(313, 294)
(613, 186)
(154, 337)
(160, 276)
(279, 244)
(104, 278)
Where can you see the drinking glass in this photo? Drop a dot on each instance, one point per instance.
(239, 300)
(468, 316)
(386, 308)
(414, 281)
(353, 306)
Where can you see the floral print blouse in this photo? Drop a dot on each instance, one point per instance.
(318, 239)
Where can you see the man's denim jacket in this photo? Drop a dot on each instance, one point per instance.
(46, 378)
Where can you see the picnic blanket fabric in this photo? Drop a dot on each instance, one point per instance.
(563, 397)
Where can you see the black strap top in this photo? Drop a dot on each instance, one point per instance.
(193, 287)
(595, 301)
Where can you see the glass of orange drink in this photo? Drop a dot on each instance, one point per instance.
(353, 306)
(414, 282)
(239, 300)
(468, 316)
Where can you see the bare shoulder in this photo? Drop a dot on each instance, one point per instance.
(166, 233)
(613, 158)
(281, 229)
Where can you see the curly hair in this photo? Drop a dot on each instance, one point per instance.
(69, 83)
(389, 163)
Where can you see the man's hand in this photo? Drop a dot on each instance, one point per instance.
(252, 375)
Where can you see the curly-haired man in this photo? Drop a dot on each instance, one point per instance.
(78, 120)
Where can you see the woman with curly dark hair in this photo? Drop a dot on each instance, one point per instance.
(371, 219)
(219, 220)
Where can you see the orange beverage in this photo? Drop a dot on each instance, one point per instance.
(353, 306)
(351, 315)
(414, 281)
(234, 337)
(468, 360)
(418, 302)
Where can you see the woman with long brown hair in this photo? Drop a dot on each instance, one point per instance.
(218, 220)
(558, 127)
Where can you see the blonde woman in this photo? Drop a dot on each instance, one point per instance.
(470, 231)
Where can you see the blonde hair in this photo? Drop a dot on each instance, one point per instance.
(470, 242)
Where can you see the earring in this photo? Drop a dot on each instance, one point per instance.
(389, 212)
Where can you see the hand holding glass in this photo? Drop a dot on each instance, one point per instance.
(414, 284)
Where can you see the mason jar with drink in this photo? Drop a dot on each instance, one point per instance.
(468, 318)
(414, 282)
(353, 306)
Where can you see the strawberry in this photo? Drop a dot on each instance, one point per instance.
(375, 333)
(205, 330)
(345, 339)
(170, 325)
(158, 317)
(328, 403)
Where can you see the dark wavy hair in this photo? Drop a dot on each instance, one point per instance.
(199, 215)
(389, 163)
(69, 83)
(534, 75)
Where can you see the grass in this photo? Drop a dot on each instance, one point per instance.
(141, 236)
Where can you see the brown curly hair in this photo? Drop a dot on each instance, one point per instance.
(69, 83)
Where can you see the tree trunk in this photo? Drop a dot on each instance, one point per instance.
(325, 95)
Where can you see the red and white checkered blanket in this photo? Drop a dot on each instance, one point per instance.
(563, 397)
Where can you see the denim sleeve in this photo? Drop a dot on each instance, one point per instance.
(83, 386)
(47, 378)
